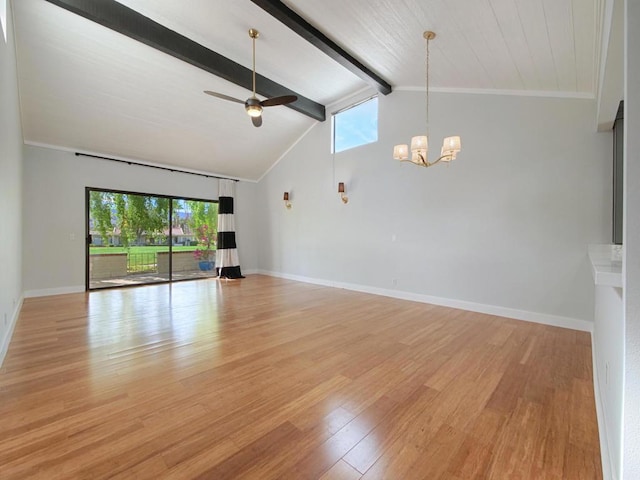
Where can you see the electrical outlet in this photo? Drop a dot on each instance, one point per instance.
(606, 373)
(394, 282)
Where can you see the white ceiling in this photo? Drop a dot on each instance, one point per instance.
(87, 88)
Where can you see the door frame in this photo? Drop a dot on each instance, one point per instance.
(87, 243)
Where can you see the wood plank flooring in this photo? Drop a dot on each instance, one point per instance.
(265, 378)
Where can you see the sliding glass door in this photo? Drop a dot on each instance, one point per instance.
(193, 239)
(136, 239)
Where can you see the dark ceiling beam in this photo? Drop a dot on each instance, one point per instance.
(295, 22)
(126, 21)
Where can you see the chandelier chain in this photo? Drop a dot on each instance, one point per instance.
(427, 83)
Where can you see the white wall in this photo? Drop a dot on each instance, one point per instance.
(54, 210)
(631, 264)
(10, 190)
(245, 206)
(608, 348)
(505, 226)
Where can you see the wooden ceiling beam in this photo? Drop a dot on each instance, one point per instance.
(295, 22)
(127, 21)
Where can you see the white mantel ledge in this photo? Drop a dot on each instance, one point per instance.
(606, 264)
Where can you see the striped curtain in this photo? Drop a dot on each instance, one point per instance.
(227, 262)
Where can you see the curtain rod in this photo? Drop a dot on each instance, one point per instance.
(129, 162)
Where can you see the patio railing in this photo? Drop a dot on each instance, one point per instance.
(146, 262)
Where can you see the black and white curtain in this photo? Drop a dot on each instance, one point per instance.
(227, 262)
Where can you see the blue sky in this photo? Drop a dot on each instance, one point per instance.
(356, 126)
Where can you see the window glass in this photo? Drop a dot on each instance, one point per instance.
(356, 125)
(138, 239)
(3, 18)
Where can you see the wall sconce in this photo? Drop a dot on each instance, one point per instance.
(287, 203)
(341, 191)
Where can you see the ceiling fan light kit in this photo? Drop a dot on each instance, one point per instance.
(419, 144)
(253, 105)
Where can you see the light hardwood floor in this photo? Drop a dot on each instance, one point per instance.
(265, 378)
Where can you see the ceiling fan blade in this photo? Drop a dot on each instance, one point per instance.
(257, 121)
(283, 100)
(223, 96)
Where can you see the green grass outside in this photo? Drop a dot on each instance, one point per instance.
(147, 249)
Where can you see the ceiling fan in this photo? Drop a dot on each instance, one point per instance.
(253, 105)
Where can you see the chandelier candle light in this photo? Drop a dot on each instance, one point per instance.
(419, 144)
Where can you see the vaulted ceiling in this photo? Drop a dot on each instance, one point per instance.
(88, 88)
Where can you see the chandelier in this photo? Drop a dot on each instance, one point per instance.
(419, 144)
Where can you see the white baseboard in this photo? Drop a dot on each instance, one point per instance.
(4, 347)
(605, 449)
(46, 292)
(543, 318)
